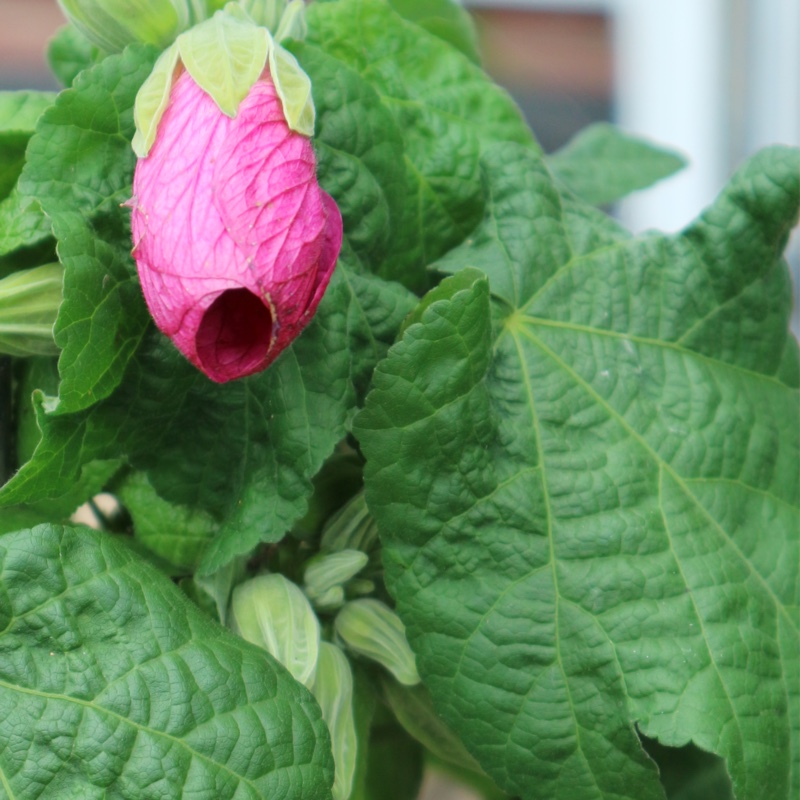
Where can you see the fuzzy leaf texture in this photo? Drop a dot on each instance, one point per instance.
(112, 684)
(448, 111)
(587, 487)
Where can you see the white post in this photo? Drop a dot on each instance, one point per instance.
(670, 85)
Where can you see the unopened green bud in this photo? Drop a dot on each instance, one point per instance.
(352, 527)
(360, 586)
(29, 302)
(273, 613)
(326, 571)
(333, 688)
(330, 600)
(370, 628)
(114, 24)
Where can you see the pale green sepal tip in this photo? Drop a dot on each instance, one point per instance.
(152, 100)
(225, 56)
(333, 689)
(294, 90)
(293, 23)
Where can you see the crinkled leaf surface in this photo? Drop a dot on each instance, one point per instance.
(112, 684)
(588, 489)
(445, 107)
(79, 169)
(19, 112)
(602, 164)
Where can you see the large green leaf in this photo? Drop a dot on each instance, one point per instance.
(588, 489)
(601, 164)
(79, 168)
(446, 109)
(112, 684)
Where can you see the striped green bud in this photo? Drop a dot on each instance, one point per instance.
(273, 613)
(325, 572)
(370, 628)
(333, 688)
(29, 302)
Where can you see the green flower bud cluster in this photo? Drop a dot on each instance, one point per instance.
(326, 576)
(274, 613)
(29, 302)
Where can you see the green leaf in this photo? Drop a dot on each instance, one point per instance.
(113, 684)
(178, 534)
(445, 19)
(19, 112)
(446, 109)
(601, 164)
(574, 480)
(359, 152)
(22, 224)
(69, 53)
(79, 168)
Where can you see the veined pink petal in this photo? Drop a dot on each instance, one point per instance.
(234, 240)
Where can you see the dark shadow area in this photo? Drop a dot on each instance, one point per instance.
(689, 773)
(234, 333)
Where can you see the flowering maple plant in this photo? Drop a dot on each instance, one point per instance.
(402, 453)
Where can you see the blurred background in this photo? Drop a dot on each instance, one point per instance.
(714, 79)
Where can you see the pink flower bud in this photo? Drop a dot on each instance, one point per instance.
(235, 242)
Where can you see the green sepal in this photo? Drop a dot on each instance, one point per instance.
(225, 56)
(152, 100)
(294, 89)
(293, 23)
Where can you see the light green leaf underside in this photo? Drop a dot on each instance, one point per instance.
(590, 506)
(113, 684)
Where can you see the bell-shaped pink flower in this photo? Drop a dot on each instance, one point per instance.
(234, 240)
